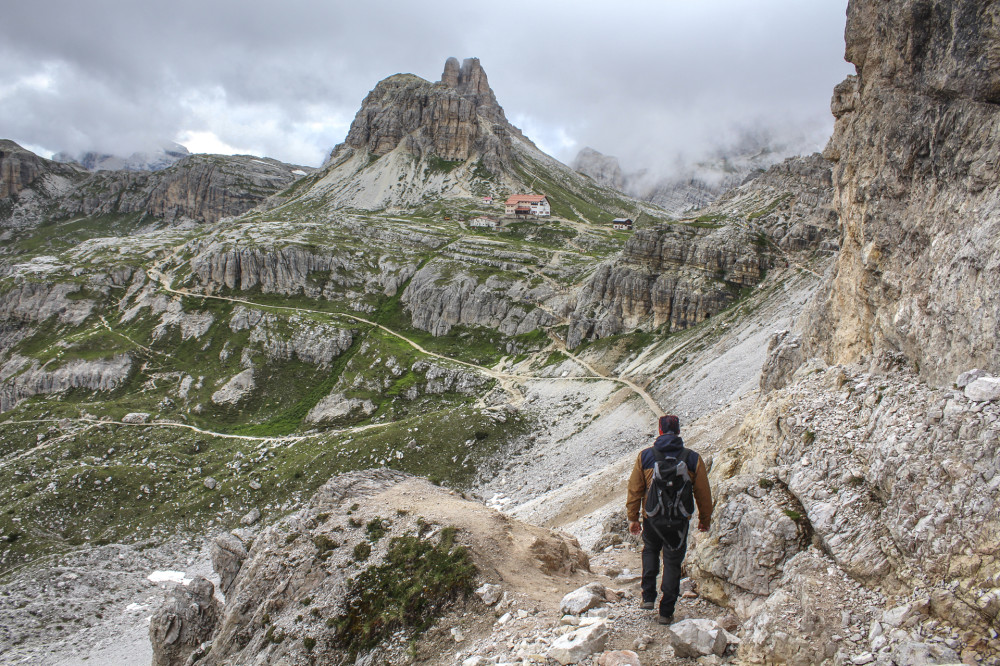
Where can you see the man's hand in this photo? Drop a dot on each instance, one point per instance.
(634, 527)
(702, 527)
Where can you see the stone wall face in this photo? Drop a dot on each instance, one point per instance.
(916, 180)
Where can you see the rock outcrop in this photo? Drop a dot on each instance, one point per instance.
(200, 188)
(203, 188)
(916, 174)
(437, 303)
(296, 595)
(604, 169)
(184, 622)
(678, 275)
(98, 375)
(20, 168)
(894, 480)
(454, 119)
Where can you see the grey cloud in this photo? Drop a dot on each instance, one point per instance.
(647, 81)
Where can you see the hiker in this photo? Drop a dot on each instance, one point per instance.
(666, 483)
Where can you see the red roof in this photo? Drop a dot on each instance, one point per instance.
(515, 199)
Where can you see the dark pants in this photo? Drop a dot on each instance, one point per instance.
(652, 547)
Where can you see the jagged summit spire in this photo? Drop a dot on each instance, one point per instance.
(469, 79)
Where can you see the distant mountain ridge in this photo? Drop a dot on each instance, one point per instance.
(163, 156)
(695, 185)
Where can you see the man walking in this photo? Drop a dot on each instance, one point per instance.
(665, 479)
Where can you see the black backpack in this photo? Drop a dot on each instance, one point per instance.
(670, 498)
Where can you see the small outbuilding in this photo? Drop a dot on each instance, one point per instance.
(484, 222)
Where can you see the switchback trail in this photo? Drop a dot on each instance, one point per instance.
(165, 283)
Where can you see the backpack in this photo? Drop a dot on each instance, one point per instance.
(670, 498)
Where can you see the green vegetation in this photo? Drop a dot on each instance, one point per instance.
(794, 515)
(408, 591)
(437, 165)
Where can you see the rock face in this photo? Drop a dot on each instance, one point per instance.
(604, 169)
(19, 168)
(309, 341)
(840, 459)
(454, 119)
(185, 621)
(678, 275)
(202, 188)
(916, 169)
(436, 303)
(98, 375)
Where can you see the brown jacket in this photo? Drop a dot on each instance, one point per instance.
(642, 477)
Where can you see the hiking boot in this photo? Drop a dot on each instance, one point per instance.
(647, 605)
(665, 619)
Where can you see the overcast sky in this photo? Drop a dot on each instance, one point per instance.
(650, 81)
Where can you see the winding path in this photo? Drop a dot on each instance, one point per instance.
(166, 283)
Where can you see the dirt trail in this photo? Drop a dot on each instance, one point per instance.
(502, 377)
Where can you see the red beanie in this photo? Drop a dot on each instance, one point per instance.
(670, 423)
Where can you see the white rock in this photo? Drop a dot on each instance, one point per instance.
(252, 517)
(210, 483)
(489, 593)
(136, 417)
(697, 638)
(863, 658)
(504, 619)
(895, 617)
(968, 377)
(577, 645)
(457, 634)
(583, 599)
(984, 389)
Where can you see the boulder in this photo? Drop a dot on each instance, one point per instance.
(251, 518)
(697, 638)
(489, 593)
(619, 658)
(921, 654)
(136, 417)
(228, 554)
(896, 617)
(185, 620)
(575, 646)
(968, 377)
(583, 599)
(984, 389)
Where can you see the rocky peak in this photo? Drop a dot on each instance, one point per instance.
(454, 119)
(604, 169)
(469, 79)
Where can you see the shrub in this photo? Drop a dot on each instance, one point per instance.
(409, 590)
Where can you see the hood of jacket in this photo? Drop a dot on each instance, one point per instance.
(669, 444)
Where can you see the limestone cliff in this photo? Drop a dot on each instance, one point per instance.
(202, 188)
(916, 178)
(678, 275)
